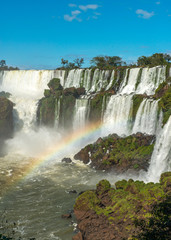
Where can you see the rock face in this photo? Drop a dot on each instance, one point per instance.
(131, 210)
(58, 101)
(163, 92)
(6, 118)
(119, 154)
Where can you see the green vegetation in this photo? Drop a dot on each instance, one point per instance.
(139, 210)
(96, 106)
(132, 152)
(137, 100)
(78, 62)
(154, 60)
(106, 62)
(3, 66)
(163, 92)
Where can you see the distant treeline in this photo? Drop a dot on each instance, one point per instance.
(3, 66)
(107, 62)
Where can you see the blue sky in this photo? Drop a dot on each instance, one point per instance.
(36, 34)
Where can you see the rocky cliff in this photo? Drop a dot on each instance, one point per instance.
(6, 118)
(127, 210)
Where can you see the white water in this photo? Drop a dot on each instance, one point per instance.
(50, 184)
(117, 117)
(161, 158)
(81, 114)
(146, 83)
(129, 86)
(28, 86)
(146, 120)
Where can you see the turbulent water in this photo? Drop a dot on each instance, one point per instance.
(37, 201)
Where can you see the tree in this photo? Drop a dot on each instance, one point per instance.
(98, 62)
(64, 62)
(143, 61)
(167, 57)
(2, 63)
(106, 61)
(158, 59)
(79, 62)
(154, 60)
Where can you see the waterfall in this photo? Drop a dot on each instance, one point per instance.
(81, 113)
(57, 113)
(74, 78)
(150, 80)
(117, 117)
(145, 81)
(129, 84)
(111, 80)
(161, 157)
(146, 117)
(25, 82)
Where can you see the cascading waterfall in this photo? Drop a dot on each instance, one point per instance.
(27, 202)
(117, 117)
(81, 113)
(161, 157)
(146, 117)
(143, 80)
(129, 83)
(150, 80)
(27, 88)
(57, 113)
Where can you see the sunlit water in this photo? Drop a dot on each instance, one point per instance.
(36, 202)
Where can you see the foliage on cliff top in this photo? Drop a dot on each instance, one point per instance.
(163, 92)
(121, 154)
(130, 206)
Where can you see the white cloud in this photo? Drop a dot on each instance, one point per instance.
(73, 16)
(89, 6)
(76, 12)
(158, 3)
(144, 14)
(72, 5)
(69, 18)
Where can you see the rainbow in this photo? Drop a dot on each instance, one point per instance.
(50, 154)
(62, 144)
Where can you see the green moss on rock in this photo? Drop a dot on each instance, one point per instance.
(137, 100)
(54, 84)
(6, 118)
(120, 154)
(117, 211)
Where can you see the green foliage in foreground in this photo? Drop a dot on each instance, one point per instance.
(141, 211)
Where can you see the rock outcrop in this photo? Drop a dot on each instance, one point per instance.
(6, 118)
(131, 210)
(119, 154)
(6, 122)
(56, 99)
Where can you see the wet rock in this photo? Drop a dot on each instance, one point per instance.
(66, 160)
(6, 118)
(66, 216)
(5, 94)
(78, 236)
(120, 154)
(72, 191)
(108, 213)
(55, 85)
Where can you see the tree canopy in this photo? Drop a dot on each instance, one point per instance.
(154, 60)
(3, 66)
(106, 61)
